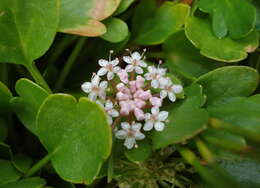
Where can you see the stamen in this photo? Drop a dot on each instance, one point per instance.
(144, 50)
(128, 50)
(110, 54)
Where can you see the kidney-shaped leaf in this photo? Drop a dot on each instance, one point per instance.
(27, 104)
(167, 19)
(236, 17)
(83, 17)
(226, 82)
(199, 32)
(27, 29)
(77, 134)
(185, 120)
(33, 182)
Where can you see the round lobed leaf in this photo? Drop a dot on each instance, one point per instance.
(33, 182)
(77, 134)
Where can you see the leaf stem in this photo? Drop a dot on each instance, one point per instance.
(68, 65)
(39, 165)
(37, 76)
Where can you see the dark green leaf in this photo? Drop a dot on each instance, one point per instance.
(141, 153)
(34, 182)
(22, 162)
(123, 6)
(8, 173)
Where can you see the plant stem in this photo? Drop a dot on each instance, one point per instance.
(71, 60)
(37, 76)
(39, 165)
(204, 151)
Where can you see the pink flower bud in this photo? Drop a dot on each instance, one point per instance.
(132, 86)
(139, 114)
(145, 95)
(139, 103)
(156, 101)
(123, 76)
(139, 81)
(121, 96)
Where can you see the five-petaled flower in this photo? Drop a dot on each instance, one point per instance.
(156, 119)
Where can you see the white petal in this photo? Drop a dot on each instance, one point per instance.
(163, 116)
(129, 68)
(163, 94)
(136, 56)
(155, 83)
(151, 69)
(143, 64)
(148, 126)
(117, 69)
(100, 103)
(139, 136)
(115, 62)
(171, 96)
(139, 70)
(177, 88)
(102, 95)
(129, 142)
(110, 75)
(147, 116)
(163, 81)
(92, 96)
(103, 85)
(127, 59)
(113, 113)
(125, 125)
(121, 134)
(102, 71)
(136, 126)
(95, 80)
(86, 87)
(148, 76)
(102, 62)
(155, 110)
(159, 126)
(109, 105)
(109, 120)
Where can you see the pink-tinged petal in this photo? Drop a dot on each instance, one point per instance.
(139, 114)
(148, 126)
(139, 81)
(110, 75)
(92, 96)
(127, 59)
(163, 94)
(95, 80)
(86, 87)
(177, 88)
(159, 126)
(155, 110)
(139, 103)
(163, 115)
(136, 126)
(139, 136)
(143, 64)
(125, 125)
(129, 142)
(124, 111)
(136, 56)
(155, 83)
(103, 62)
(123, 76)
(171, 96)
(121, 134)
(139, 70)
(102, 71)
(156, 101)
(129, 68)
(115, 62)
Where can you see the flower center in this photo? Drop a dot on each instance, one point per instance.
(109, 67)
(95, 89)
(135, 62)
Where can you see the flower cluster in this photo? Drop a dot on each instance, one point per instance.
(132, 96)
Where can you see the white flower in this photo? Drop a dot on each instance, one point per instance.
(108, 67)
(109, 108)
(135, 63)
(155, 74)
(94, 88)
(169, 89)
(155, 119)
(130, 133)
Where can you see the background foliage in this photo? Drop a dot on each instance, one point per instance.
(51, 135)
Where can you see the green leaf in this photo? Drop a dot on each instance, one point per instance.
(236, 17)
(27, 104)
(226, 82)
(183, 57)
(83, 17)
(77, 134)
(198, 31)
(8, 173)
(22, 162)
(179, 128)
(5, 151)
(33, 182)
(117, 30)
(245, 171)
(33, 26)
(123, 6)
(166, 20)
(141, 153)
